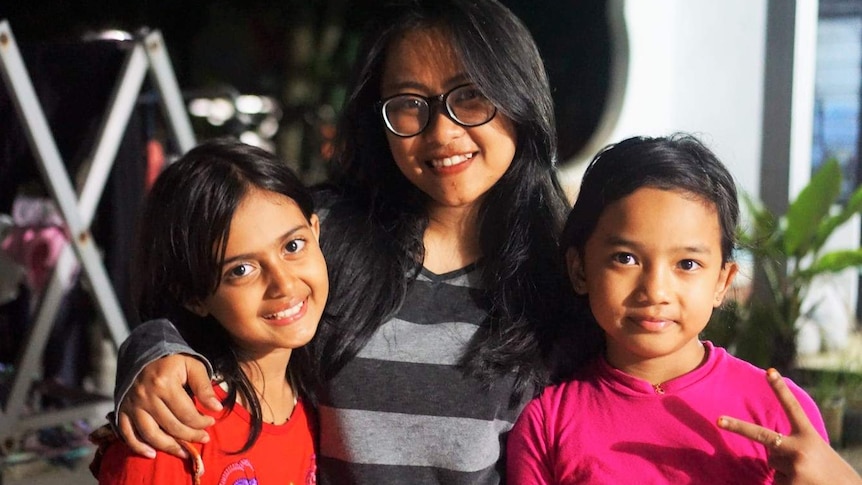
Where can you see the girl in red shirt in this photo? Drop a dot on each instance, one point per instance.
(229, 252)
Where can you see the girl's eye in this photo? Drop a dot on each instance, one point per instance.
(689, 264)
(239, 271)
(625, 258)
(295, 245)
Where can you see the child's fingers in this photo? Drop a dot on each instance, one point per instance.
(752, 431)
(798, 419)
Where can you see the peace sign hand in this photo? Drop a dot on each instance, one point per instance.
(803, 456)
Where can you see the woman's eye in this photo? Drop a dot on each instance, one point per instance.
(469, 93)
(406, 103)
(624, 258)
(689, 265)
(295, 245)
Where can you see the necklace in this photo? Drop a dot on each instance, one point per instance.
(272, 413)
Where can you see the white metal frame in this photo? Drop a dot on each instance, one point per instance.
(148, 54)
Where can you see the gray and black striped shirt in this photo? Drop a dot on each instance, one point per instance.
(403, 412)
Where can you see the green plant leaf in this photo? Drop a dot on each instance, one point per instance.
(833, 262)
(854, 206)
(761, 232)
(810, 207)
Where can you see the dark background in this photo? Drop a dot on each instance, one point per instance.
(299, 51)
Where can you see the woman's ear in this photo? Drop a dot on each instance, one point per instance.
(576, 271)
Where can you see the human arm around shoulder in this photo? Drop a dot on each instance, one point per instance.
(152, 406)
(527, 459)
(802, 457)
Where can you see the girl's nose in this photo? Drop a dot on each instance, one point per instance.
(655, 283)
(281, 281)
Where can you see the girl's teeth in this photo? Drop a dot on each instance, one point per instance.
(286, 313)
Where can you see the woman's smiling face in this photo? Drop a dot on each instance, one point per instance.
(454, 165)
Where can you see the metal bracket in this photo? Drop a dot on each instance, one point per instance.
(147, 55)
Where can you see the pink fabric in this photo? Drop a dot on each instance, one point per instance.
(609, 427)
(37, 250)
(36, 239)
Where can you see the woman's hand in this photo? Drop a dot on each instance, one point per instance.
(802, 457)
(157, 411)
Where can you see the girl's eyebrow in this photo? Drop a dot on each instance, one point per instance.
(290, 232)
(615, 240)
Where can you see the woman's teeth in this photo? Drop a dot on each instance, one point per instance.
(451, 161)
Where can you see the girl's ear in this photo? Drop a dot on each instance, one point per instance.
(576, 271)
(725, 279)
(315, 226)
(198, 309)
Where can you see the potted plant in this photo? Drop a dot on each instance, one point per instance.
(827, 388)
(788, 254)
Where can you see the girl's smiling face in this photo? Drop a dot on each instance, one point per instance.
(653, 273)
(273, 284)
(455, 166)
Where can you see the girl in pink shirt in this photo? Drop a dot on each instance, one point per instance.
(648, 248)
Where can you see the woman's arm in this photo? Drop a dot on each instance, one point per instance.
(153, 407)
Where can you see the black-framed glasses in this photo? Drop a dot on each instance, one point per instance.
(408, 114)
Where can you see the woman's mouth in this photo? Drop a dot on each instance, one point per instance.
(450, 161)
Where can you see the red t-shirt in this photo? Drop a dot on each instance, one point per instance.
(281, 454)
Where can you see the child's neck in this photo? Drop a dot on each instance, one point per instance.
(274, 390)
(658, 370)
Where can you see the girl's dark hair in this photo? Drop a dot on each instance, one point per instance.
(182, 237)
(374, 234)
(677, 162)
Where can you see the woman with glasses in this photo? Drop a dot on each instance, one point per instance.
(440, 238)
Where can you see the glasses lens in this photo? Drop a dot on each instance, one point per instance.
(469, 106)
(405, 115)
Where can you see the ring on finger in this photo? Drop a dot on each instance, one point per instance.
(777, 441)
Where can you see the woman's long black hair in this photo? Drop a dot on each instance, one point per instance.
(182, 237)
(373, 237)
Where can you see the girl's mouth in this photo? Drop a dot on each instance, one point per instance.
(286, 313)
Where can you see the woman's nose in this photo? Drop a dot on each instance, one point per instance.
(441, 127)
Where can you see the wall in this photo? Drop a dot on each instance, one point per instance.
(696, 66)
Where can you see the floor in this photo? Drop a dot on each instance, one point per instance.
(46, 474)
